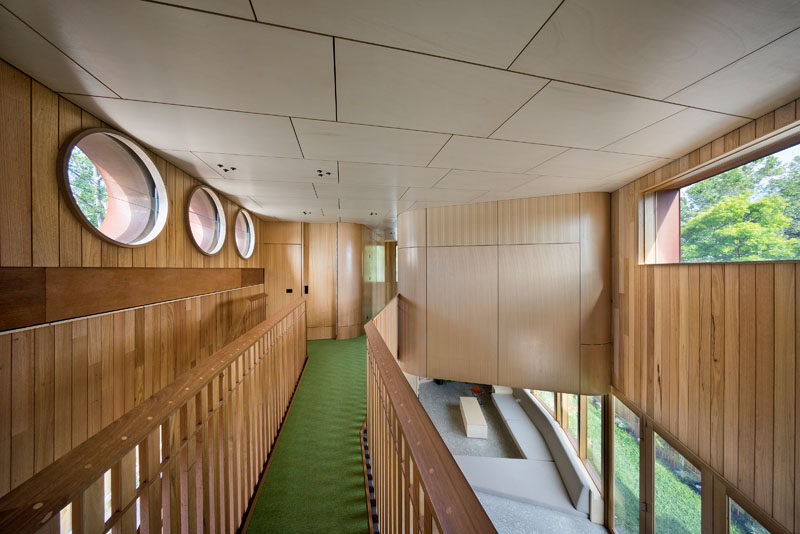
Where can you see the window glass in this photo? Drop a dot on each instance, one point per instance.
(678, 488)
(627, 438)
(206, 221)
(245, 234)
(743, 523)
(114, 187)
(548, 398)
(594, 433)
(571, 409)
(751, 212)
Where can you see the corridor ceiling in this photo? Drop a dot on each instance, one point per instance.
(356, 110)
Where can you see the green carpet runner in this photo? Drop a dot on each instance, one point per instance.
(315, 482)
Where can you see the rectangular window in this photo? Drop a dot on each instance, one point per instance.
(748, 213)
(627, 439)
(571, 416)
(594, 434)
(678, 488)
(743, 523)
(548, 398)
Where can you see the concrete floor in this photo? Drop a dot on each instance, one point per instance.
(441, 403)
(509, 516)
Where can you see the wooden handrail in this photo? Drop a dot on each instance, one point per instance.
(32, 504)
(455, 506)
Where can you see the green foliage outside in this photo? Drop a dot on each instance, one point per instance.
(678, 502)
(88, 187)
(626, 477)
(743, 523)
(572, 413)
(748, 213)
(594, 433)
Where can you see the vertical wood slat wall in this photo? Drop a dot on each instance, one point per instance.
(62, 383)
(709, 351)
(190, 460)
(37, 227)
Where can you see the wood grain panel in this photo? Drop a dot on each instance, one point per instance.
(462, 313)
(15, 167)
(595, 265)
(539, 310)
(320, 264)
(282, 272)
(469, 224)
(41, 229)
(741, 346)
(596, 363)
(412, 306)
(349, 281)
(281, 233)
(553, 219)
(412, 229)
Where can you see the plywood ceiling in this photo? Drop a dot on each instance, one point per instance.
(360, 109)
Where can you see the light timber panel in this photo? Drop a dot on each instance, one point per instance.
(67, 381)
(200, 443)
(710, 351)
(349, 250)
(319, 264)
(37, 228)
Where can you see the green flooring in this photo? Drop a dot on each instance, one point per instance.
(315, 482)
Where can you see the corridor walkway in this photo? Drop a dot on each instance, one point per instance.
(315, 482)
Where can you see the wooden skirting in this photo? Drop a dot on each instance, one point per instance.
(37, 295)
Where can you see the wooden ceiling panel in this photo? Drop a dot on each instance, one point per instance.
(475, 154)
(577, 163)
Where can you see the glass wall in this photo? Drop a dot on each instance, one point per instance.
(627, 440)
(678, 487)
(740, 522)
(548, 398)
(571, 415)
(594, 434)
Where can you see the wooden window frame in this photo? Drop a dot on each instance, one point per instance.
(659, 205)
(715, 492)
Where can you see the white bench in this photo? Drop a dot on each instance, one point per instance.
(472, 416)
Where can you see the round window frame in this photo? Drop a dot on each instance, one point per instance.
(252, 227)
(223, 225)
(62, 170)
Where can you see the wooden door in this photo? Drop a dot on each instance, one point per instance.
(319, 279)
(282, 273)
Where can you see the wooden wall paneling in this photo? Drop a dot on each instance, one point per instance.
(22, 402)
(462, 324)
(412, 229)
(682, 413)
(674, 348)
(784, 432)
(5, 413)
(69, 123)
(80, 354)
(595, 268)
(462, 225)
(731, 378)
(595, 369)
(704, 424)
(63, 389)
(765, 382)
(747, 379)
(94, 375)
(553, 219)
(44, 401)
(412, 350)
(349, 281)
(15, 167)
(281, 233)
(797, 388)
(320, 241)
(539, 317)
(44, 185)
(718, 305)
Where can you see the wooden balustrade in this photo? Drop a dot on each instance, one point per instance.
(187, 459)
(418, 485)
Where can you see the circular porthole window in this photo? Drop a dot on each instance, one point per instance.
(245, 234)
(206, 220)
(113, 187)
